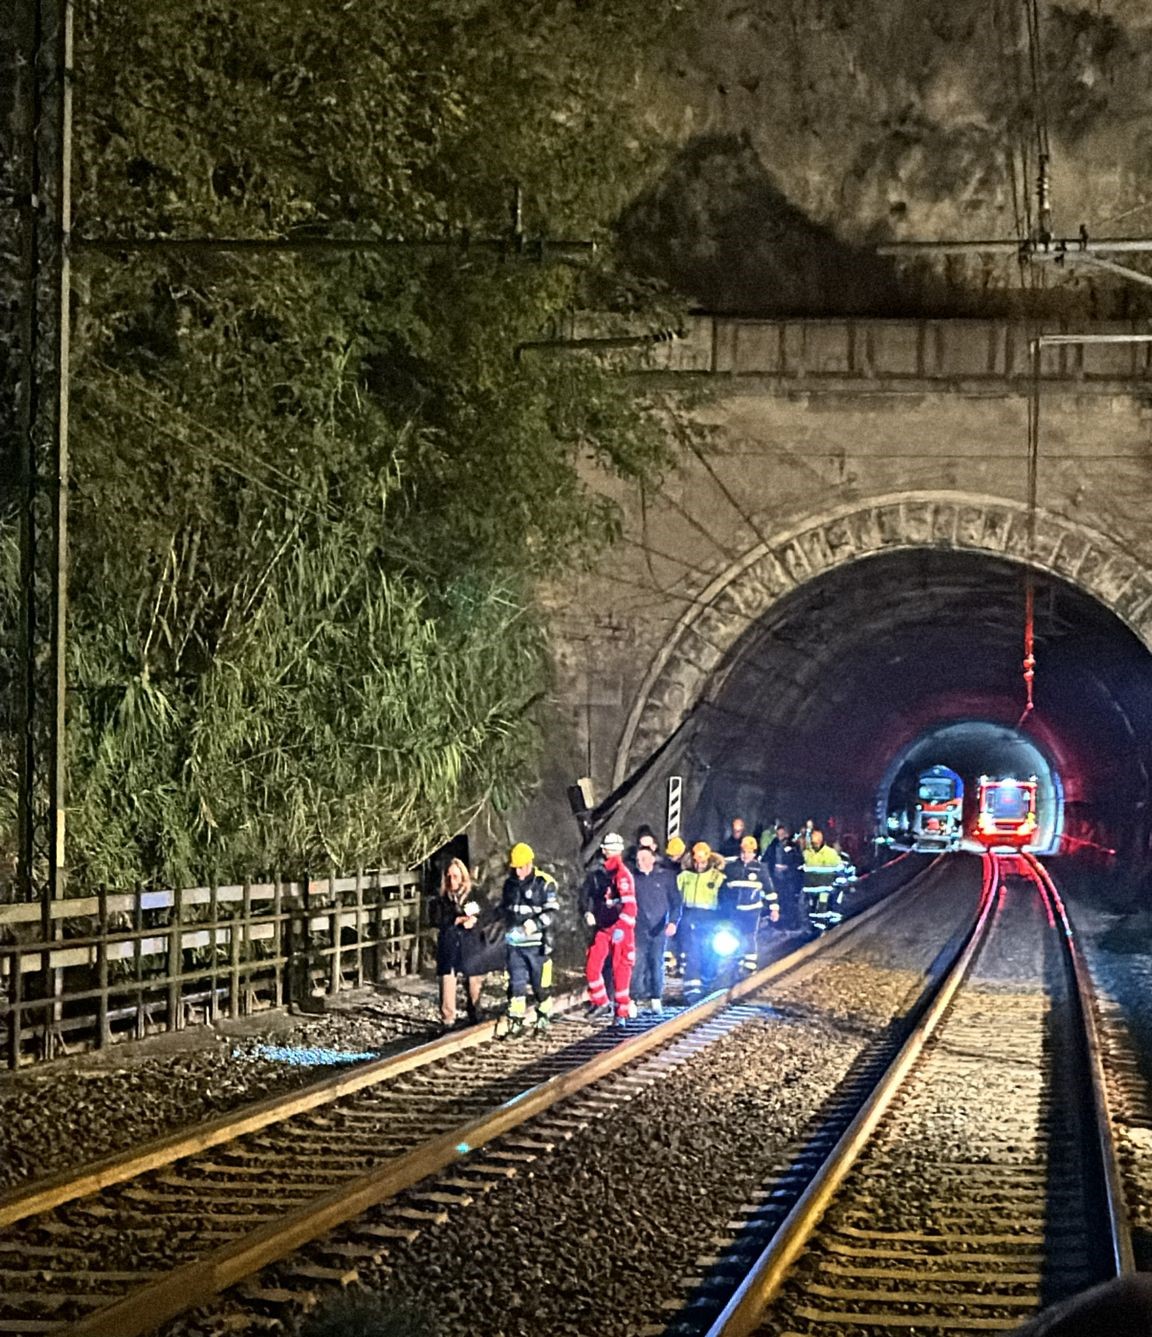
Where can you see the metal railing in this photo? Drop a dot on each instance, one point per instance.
(128, 964)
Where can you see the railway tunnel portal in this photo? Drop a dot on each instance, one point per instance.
(842, 577)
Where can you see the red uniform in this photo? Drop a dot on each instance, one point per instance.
(616, 935)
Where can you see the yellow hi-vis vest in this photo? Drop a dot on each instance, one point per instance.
(700, 890)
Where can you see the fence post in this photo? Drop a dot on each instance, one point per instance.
(16, 1009)
(281, 943)
(103, 1031)
(334, 923)
(234, 930)
(213, 1009)
(415, 918)
(138, 961)
(359, 927)
(176, 961)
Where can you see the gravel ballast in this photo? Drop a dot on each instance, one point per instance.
(595, 1236)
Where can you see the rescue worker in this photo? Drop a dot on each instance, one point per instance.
(528, 904)
(820, 855)
(674, 855)
(699, 886)
(730, 845)
(748, 888)
(784, 861)
(613, 917)
(768, 835)
(821, 859)
(658, 906)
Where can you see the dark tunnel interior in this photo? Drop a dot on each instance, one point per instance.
(915, 657)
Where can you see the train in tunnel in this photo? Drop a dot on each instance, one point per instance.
(995, 812)
(938, 822)
(1005, 812)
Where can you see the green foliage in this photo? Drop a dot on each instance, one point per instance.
(313, 495)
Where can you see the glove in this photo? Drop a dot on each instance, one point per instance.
(590, 919)
(529, 926)
(617, 935)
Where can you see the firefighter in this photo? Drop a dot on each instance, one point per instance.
(748, 889)
(612, 916)
(821, 859)
(699, 886)
(528, 903)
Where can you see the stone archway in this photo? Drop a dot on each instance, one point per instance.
(747, 588)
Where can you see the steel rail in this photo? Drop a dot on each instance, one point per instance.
(1120, 1230)
(67, 1185)
(78, 1182)
(744, 1312)
(197, 1282)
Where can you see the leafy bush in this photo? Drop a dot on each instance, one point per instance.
(313, 495)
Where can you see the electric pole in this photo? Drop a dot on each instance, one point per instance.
(35, 203)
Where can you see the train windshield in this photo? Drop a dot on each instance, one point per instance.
(1007, 801)
(936, 789)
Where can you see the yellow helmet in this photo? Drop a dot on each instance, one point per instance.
(675, 848)
(701, 850)
(521, 854)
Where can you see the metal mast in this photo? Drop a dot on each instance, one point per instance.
(35, 219)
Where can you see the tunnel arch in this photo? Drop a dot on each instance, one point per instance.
(685, 669)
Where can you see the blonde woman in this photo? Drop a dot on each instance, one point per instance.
(456, 952)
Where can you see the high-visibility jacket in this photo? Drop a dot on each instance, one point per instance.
(701, 891)
(824, 857)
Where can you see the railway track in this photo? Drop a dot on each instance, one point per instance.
(120, 1248)
(977, 1183)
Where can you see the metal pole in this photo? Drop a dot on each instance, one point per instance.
(39, 147)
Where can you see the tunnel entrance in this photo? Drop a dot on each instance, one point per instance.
(863, 671)
(972, 748)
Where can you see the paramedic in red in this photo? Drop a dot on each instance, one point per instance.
(612, 913)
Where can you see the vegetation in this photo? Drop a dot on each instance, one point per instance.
(314, 494)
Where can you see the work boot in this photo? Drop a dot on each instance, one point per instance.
(543, 1028)
(515, 1029)
(594, 1011)
(618, 1023)
(656, 1006)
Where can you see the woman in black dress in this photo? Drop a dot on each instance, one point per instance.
(458, 945)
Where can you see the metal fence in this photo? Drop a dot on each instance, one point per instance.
(122, 965)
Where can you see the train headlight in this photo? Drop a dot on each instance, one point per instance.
(725, 942)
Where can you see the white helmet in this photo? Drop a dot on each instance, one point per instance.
(613, 843)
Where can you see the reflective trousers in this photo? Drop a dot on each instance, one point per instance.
(747, 922)
(623, 955)
(695, 932)
(529, 965)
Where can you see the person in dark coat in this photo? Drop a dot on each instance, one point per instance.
(658, 907)
(784, 860)
(729, 847)
(458, 944)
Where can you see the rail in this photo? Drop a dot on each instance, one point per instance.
(744, 1313)
(193, 1283)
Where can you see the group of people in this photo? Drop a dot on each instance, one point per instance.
(638, 908)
